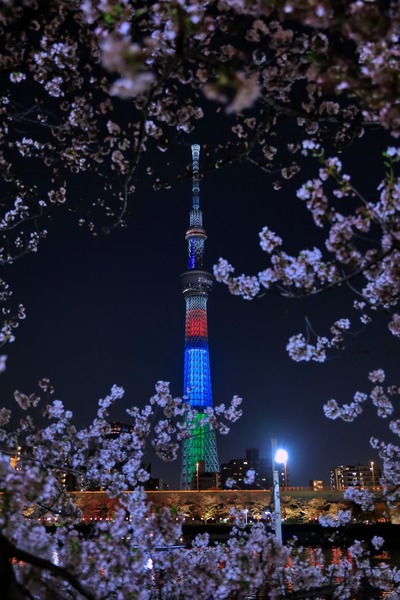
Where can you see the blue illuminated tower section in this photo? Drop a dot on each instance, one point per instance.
(196, 285)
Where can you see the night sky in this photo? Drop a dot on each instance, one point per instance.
(110, 310)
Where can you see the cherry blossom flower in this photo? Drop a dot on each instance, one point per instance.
(248, 479)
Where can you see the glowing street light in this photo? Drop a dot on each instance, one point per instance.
(197, 476)
(281, 457)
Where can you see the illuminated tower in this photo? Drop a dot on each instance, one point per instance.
(196, 285)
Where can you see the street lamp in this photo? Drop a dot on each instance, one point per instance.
(280, 457)
(197, 476)
(373, 474)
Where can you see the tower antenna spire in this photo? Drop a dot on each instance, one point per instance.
(195, 176)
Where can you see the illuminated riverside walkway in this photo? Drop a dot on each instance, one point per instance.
(209, 511)
(304, 493)
(91, 502)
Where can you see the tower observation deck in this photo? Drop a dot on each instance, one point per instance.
(196, 285)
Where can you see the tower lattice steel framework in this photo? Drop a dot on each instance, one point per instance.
(196, 285)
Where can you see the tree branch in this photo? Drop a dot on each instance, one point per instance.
(8, 551)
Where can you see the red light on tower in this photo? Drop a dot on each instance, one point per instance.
(196, 324)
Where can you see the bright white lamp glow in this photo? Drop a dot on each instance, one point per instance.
(281, 456)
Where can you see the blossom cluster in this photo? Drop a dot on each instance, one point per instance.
(360, 249)
(384, 400)
(379, 397)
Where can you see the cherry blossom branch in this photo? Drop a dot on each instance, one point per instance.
(8, 551)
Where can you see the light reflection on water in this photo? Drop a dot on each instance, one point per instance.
(316, 556)
(336, 554)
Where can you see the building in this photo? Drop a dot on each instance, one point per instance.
(237, 468)
(364, 476)
(67, 477)
(117, 428)
(154, 484)
(15, 459)
(196, 286)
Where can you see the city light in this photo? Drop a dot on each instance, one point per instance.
(281, 456)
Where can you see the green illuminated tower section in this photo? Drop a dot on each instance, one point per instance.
(196, 286)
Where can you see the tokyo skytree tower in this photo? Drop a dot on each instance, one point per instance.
(196, 285)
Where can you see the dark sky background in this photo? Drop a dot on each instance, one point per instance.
(110, 311)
